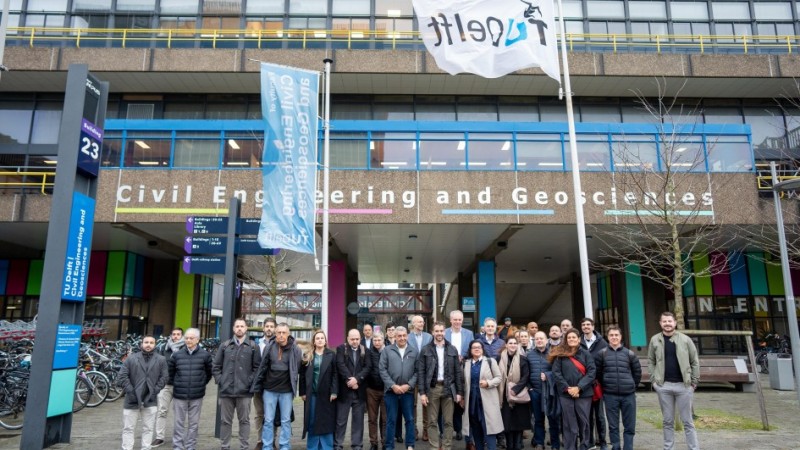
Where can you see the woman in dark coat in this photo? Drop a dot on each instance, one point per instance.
(574, 374)
(516, 416)
(318, 389)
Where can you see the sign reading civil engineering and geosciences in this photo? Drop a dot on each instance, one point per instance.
(79, 245)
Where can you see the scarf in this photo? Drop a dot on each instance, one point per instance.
(175, 346)
(512, 375)
(147, 355)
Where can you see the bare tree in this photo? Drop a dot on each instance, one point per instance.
(668, 199)
(269, 277)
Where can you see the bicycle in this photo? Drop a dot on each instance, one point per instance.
(771, 343)
(13, 396)
(91, 389)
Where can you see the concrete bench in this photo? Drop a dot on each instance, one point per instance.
(718, 369)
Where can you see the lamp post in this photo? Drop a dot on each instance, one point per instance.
(791, 311)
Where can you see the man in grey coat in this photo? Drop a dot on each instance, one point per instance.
(142, 377)
(398, 371)
(234, 367)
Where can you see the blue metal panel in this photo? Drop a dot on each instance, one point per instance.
(487, 304)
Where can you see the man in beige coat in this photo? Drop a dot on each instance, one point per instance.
(487, 410)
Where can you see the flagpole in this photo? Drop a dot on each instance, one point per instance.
(326, 122)
(576, 175)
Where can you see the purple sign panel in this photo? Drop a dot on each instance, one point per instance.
(90, 145)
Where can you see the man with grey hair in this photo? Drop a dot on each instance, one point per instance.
(189, 372)
(417, 339)
(492, 344)
(277, 380)
(398, 371)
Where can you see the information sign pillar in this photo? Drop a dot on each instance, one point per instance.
(48, 412)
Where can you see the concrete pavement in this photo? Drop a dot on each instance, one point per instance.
(100, 428)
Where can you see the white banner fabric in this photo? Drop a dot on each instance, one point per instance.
(490, 38)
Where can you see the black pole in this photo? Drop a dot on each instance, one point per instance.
(229, 286)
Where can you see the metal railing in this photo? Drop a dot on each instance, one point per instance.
(42, 181)
(357, 38)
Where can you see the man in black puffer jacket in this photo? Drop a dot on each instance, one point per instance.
(620, 372)
(189, 372)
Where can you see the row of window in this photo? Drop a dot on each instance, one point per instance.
(27, 119)
(439, 151)
(593, 9)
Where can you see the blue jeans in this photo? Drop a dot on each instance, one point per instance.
(271, 400)
(627, 405)
(538, 422)
(405, 403)
(316, 441)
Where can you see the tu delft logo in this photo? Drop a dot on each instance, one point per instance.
(489, 29)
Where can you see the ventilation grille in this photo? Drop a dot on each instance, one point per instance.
(140, 111)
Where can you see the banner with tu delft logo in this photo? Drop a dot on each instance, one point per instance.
(289, 98)
(490, 38)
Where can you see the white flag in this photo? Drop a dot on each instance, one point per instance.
(489, 38)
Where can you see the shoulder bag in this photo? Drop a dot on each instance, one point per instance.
(597, 390)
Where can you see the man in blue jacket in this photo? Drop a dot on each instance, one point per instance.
(619, 371)
(540, 370)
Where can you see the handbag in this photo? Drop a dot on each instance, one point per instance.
(597, 390)
(522, 397)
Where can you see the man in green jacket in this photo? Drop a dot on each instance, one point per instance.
(674, 373)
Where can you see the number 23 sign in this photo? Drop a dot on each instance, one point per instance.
(90, 145)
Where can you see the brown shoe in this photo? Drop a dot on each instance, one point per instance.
(424, 435)
(259, 446)
(471, 446)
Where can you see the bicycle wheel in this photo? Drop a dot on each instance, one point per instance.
(82, 394)
(12, 416)
(100, 388)
(761, 360)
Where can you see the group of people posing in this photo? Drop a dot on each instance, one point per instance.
(485, 389)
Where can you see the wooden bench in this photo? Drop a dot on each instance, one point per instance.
(718, 369)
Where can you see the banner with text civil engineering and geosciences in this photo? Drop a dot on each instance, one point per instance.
(289, 98)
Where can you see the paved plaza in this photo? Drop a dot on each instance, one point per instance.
(100, 428)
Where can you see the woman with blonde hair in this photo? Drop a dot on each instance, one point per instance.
(481, 420)
(515, 406)
(574, 374)
(319, 389)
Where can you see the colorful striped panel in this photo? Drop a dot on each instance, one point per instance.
(97, 274)
(738, 275)
(688, 280)
(130, 274)
(138, 284)
(774, 276)
(758, 274)
(3, 275)
(17, 277)
(702, 284)
(601, 291)
(35, 277)
(635, 296)
(721, 279)
(184, 298)
(115, 273)
(610, 290)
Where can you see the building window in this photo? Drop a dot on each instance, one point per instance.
(731, 10)
(442, 151)
(46, 123)
(633, 154)
(540, 152)
(196, 150)
(15, 122)
(242, 150)
(265, 7)
(647, 10)
(147, 150)
(729, 154)
(348, 151)
(393, 150)
(593, 153)
(611, 9)
(309, 7)
(180, 7)
(490, 151)
(690, 11)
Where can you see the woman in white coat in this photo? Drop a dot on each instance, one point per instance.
(482, 420)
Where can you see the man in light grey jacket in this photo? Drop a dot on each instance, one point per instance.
(398, 372)
(142, 377)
